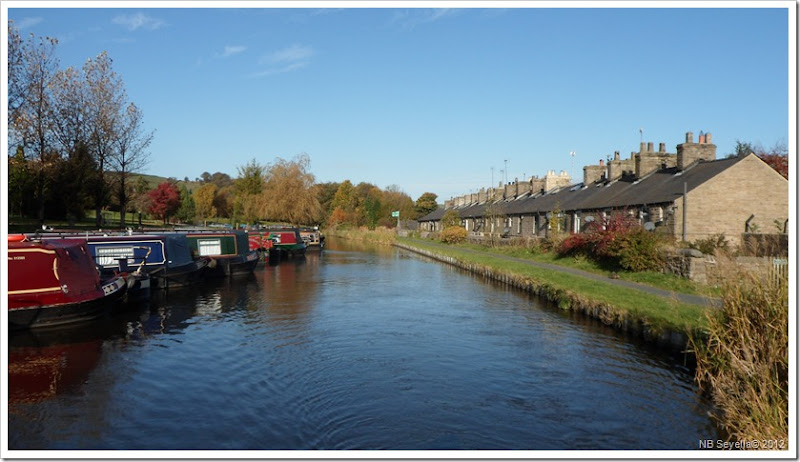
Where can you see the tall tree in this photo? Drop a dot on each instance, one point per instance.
(32, 67)
(426, 203)
(106, 102)
(289, 194)
(72, 123)
(394, 199)
(344, 198)
(130, 153)
(73, 179)
(325, 193)
(204, 202)
(247, 188)
(186, 209)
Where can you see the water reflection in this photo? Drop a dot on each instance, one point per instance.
(357, 347)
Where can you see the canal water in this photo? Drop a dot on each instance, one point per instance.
(359, 347)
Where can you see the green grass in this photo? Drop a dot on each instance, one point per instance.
(651, 278)
(652, 310)
(29, 225)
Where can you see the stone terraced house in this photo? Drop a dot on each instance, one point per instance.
(688, 195)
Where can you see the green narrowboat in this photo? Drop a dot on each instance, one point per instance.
(229, 251)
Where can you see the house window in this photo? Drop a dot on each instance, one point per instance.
(209, 247)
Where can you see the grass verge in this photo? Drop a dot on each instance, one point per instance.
(619, 306)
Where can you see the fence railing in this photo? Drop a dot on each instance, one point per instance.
(780, 270)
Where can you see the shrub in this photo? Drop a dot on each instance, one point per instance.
(451, 218)
(744, 359)
(710, 244)
(619, 241)
(453, 235)
(639, 250)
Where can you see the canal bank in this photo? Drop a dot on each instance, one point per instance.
(664, 318)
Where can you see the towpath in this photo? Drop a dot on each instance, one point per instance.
(681, 297)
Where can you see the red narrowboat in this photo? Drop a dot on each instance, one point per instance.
(54, 282)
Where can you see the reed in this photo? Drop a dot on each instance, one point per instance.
(381, 235)
(743, 362)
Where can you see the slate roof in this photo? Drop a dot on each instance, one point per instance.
(661, 186)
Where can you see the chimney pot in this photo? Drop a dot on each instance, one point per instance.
(689, 137)
(662, 147)
(708, 137)
(650, 146)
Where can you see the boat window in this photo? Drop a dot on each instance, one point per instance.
(209, 247)
(106, 256)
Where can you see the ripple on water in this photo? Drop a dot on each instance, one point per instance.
(366, 350)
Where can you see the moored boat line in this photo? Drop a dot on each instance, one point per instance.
(60, 277)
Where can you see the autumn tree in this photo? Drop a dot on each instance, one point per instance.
(343, 205)
(395, 200)
(325, 193)
(368, 208)
(776, 157)
(164, 201)
(204, 202)
(289, 195)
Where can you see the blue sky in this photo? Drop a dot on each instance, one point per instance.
(432, 99)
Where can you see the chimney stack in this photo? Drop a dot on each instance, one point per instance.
(689, 152)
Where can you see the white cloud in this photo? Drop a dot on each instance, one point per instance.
(286, 60)
(280, 70)
(136, 21)
(291, 54)
(24, 23)
(413, 18)
(233, 50)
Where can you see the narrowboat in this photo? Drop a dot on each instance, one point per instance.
(229, 251)
(56, 282)
(287, 242)
(313, 238)
(165, 257)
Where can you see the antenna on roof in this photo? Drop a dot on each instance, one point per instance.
(572, 164)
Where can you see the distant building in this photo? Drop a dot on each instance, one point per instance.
(689, 195)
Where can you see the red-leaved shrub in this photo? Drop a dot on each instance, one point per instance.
(620, 241)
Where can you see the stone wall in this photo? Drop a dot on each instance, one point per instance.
(731, 197)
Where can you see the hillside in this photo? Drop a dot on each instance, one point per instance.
(153, 181)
